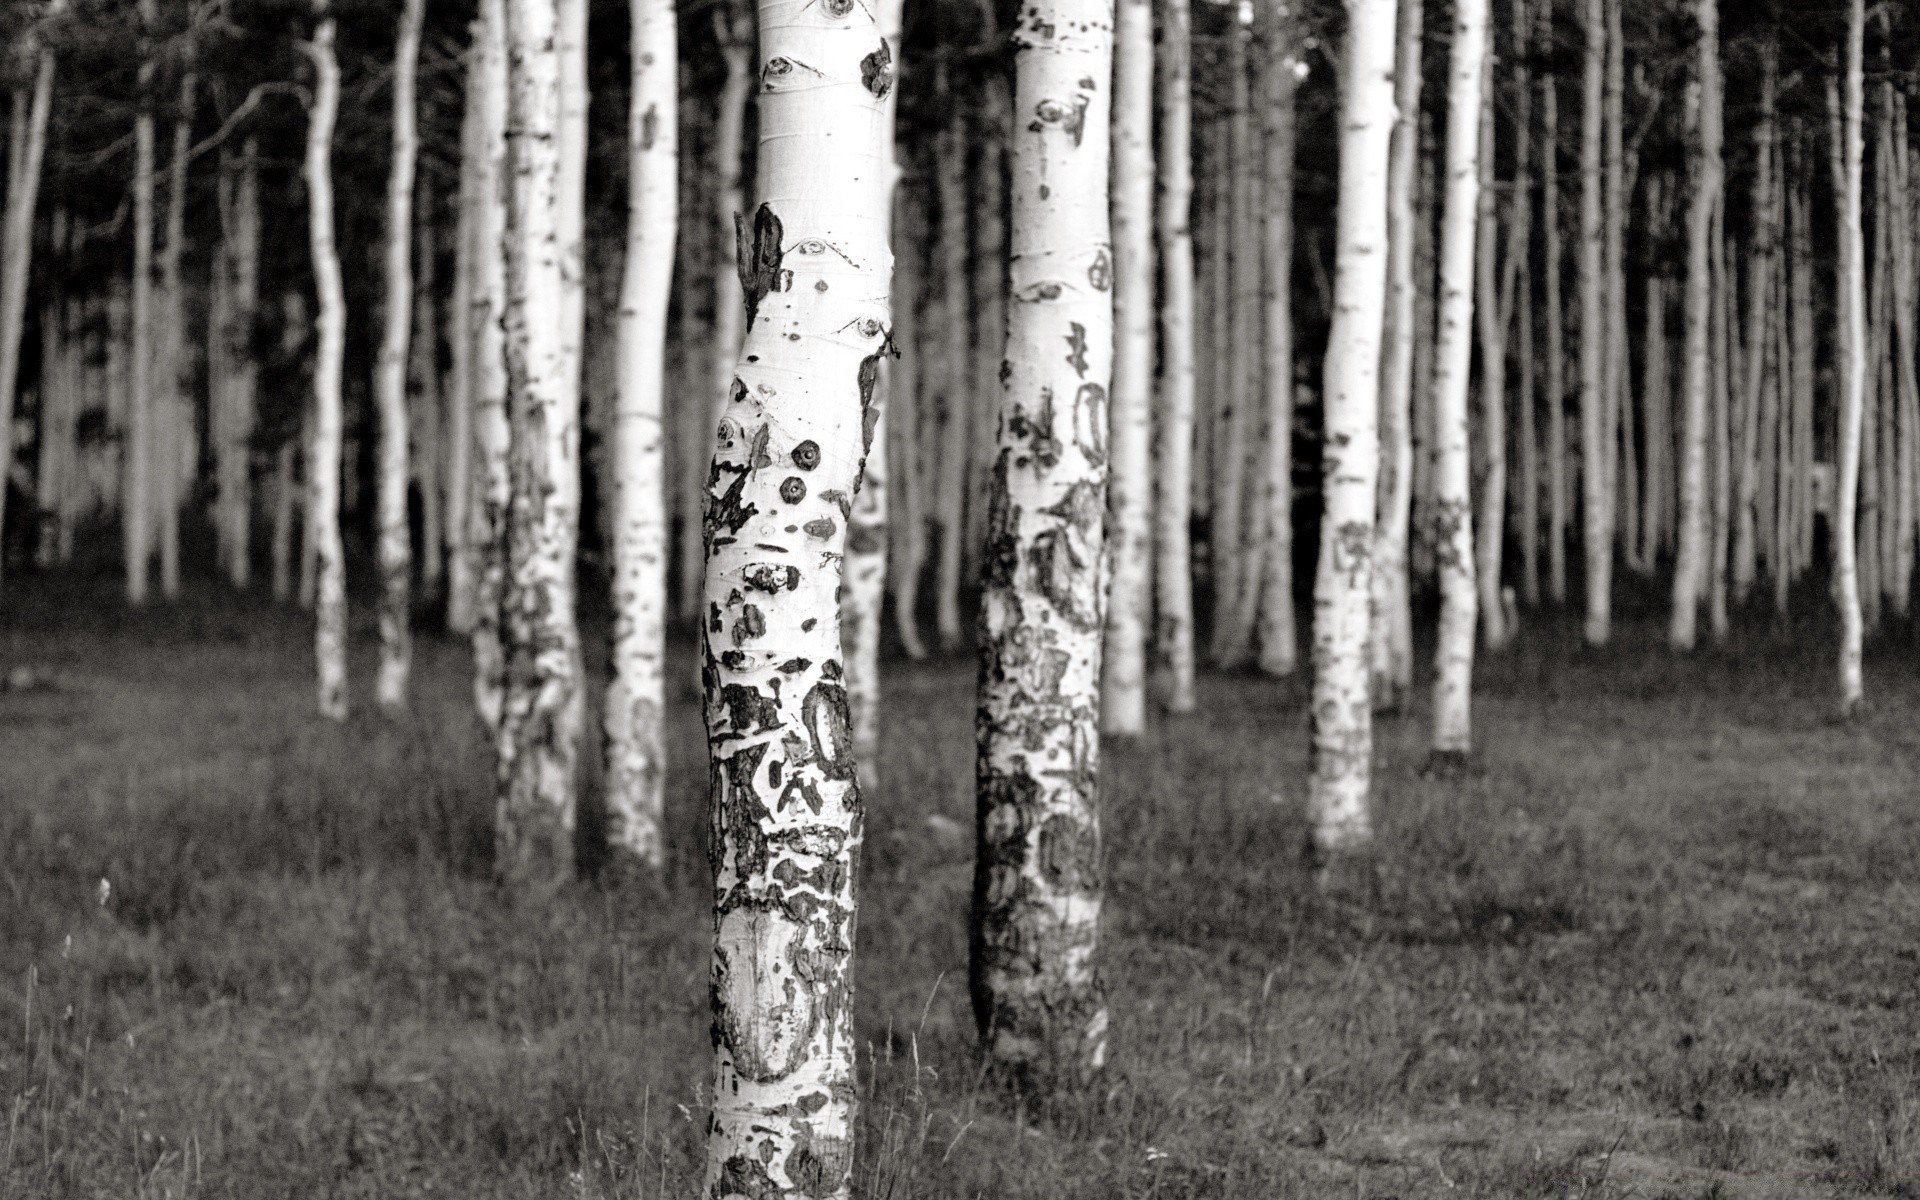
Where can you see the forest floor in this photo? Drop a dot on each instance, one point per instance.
(1666, 943)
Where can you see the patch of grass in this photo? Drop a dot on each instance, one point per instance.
(1662, 942)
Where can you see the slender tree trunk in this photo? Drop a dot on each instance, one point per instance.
(785, 807)
(1520, 266)
(1747, 510)
(1339, 795)
(1655, 392)
(1720, 504)
(492, 432)
(1173, 432)
(1453, 501)
(1392, 599)
(1279, 637)
(238, 381)
(1616, 192)
(173, 432)
(1490, 310)
(1237, 324)
(1037, 866)
(1901, 222)
(1123, 695)
(23, 190)
(1845, 119)
(1803, 358)
(136, 487)
(956, 430)
(636, 694)
(323, 466)
(393, 547)
(285, 504)
(427, 434)
(463, 376)
(1596, 495)
(1690, 564)
(1421, 566)
(1559, 495)
(989, 289)
(59, 400)
(904, 530)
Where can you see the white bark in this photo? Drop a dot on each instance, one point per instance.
(1596, 475)
(393, 550)
(1340, 788)
(1173, 432)
(537, 741)
(1453, 501)
(23, 190)
(636, 693)
(1392, 599)
(785, 807)
(1690, 564)
(323, 465)
(1037, 867)
(1853, 357)
(1237, 325)
(492, 481)
(1123, 693)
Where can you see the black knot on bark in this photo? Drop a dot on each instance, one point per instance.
(759, 257)
(876, 69)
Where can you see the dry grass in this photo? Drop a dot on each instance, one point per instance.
(1666, 943)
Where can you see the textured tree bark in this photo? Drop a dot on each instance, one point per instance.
(23, 190)
(1845, 120)
(1492, 313)
(989, 310)
(786, 810)
(1559, 496)
(1237, 324)
(1901, 223)
(636, 694)
(1272, 592)
(323, 465)
(1339, 792)
(1690, 563)
(1037, 880)
(1595, 440)
(492, 434)
(463, 373)
(1453, 500)
(1392, 600)
(393, 550)
(1173, 430)
(1426, 272)
(958, 397)
(136, 487)
(1123, 694)
(1747, 509)
(539, 732)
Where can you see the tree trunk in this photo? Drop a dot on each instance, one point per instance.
(989, 309)
(1339, 790)
(323, 467)
(1747, 511)
(904, 537)
(1279, 637)
(1690, 563)
(59, 401)
(1520, 269)
(1845, 120)
(1803, 358)
(1392, 598)
(1622, 481)
(464, 374)
(284, 506)
(1656, 397)
(785, 807)
(956, 431)
(1037, 866)
(1173, 432)
(1596, 474)
(538, 737)
(427, 434)
(1907, 355)
(1559, 495)
(173, 424)
(23, 190)
(393, 548)
(1453, 500)
(1235, 325)
(238, 381)
(636, 693)
(1492, 312)
(492, 432)
(136, 487)
(1123, 696)
(1721, 502)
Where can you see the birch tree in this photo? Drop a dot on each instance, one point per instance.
(1269, 579)
(1123, 703)
(1340, 787)
(1596, 476)
(1558, 498)
(393, 547)
(323, 465)
(1453, 499)
(1173, 431)
(1690, 564)
(136, 487)
(785, 809)
(1043, 1015)
(1846, 102)
(173, 421)
(636, 694)
(492, 429)
(23, 190)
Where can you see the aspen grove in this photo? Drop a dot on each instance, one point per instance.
(1167, 597)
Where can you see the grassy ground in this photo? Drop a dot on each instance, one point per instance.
(1666, 944)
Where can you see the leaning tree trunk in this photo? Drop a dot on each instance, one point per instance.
(785, 806)
(23, 190)
(1846, 120)
(1173, 431)
(636, 693)
(537, 743)
(1123, 695)
(323, 465)
(1339, 791)
(1596, 473)
(1392, 635)
(1690, 564)
(136, 486)
(1272, 509)
(393, 552)
(1037, 866)
(1453, 498)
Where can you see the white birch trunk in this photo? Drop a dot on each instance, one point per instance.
(393, 550)
(323, 465)
(1691, 565)
(1595, 431)
(1453, 357)
(23, 191)
(1559, 497)
(1043, 1017)
(1173, 432)
(492, 435)
(1847, 115)
(1272, 587)
(1392, 633)
(537, 742)
(1237, 325)
(1340, 788)
(785, 809)
(1123, 695)
(636, 693)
